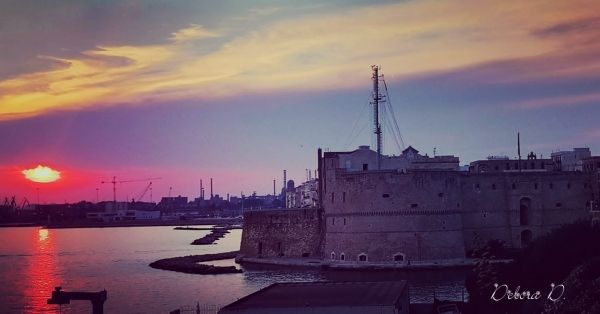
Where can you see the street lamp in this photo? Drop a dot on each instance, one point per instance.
(97, 200)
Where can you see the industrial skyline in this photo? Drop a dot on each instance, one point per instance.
(238, 91)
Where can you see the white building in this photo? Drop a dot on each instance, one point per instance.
(304, 195)
(570, 160)
(118, 211)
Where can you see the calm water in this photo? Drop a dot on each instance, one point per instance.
(33, 261)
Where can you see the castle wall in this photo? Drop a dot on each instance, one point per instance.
(281, 233)
(385, 216)
(492, 203)
(382, 214)
(435, 215)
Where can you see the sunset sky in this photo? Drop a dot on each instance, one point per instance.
(238, 91)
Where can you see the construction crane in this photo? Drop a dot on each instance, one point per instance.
(144, 192)
(114, 183)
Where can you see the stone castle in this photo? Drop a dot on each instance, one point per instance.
(421, 209)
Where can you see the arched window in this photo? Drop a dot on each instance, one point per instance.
(399, 257)
(362, 257)
(526, 237)
(342, 257)
(524, 211)
(332, 256)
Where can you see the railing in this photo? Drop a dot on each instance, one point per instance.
(198, 309)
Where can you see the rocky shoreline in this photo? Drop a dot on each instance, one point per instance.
(189, 264)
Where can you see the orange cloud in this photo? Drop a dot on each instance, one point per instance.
(41, 174)
(328, 50)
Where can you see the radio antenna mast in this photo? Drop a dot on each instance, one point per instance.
(376, 99)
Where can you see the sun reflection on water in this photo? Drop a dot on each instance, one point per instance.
(41, 274)
(43, 233)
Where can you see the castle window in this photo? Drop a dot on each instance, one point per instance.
(279, 246)
(524, 165)
(414, 205)
(587, 204)
(494, 186)
(399, 257)
(477, 186)
(342, 257)
(533, 165)
(569, 185)
(551, 186)
(332, 256)
(305, 254)
(344, 221)
(440, 194)
(514, 186)
(344, 197)
(496, 168)
(516, 165)
(385, 195)
(362, 257)
(535, 186)
(332, 197)
(484, 215)
(365, 167)
(558, 204)
(524, 211)
(333, 221)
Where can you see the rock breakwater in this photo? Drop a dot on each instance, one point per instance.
(189, 264)
(210, 238)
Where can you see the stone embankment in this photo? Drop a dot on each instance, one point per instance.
(210, 238)
(189, 264)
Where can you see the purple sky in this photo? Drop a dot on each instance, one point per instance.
(240, 90)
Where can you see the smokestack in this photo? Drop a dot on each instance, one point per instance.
(201, 191)
(228, 197)
(274, 187)
(519, 149)
(306, 174)
(211, 189)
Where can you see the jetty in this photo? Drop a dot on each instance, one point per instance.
(214, 235)
(190, 264)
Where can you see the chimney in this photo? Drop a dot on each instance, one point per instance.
(201, 191)
(211, 189)
(274, 187)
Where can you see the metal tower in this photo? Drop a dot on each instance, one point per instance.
(377, 125)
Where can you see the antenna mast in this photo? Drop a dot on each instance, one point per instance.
(376, 99)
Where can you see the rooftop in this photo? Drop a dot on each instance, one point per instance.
(322, 294)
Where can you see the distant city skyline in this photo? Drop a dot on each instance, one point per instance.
(238, 91)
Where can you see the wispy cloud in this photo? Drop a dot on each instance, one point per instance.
(561, 101)
(194, 32)
(328, 50)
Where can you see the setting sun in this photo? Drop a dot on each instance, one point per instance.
(41, 174)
